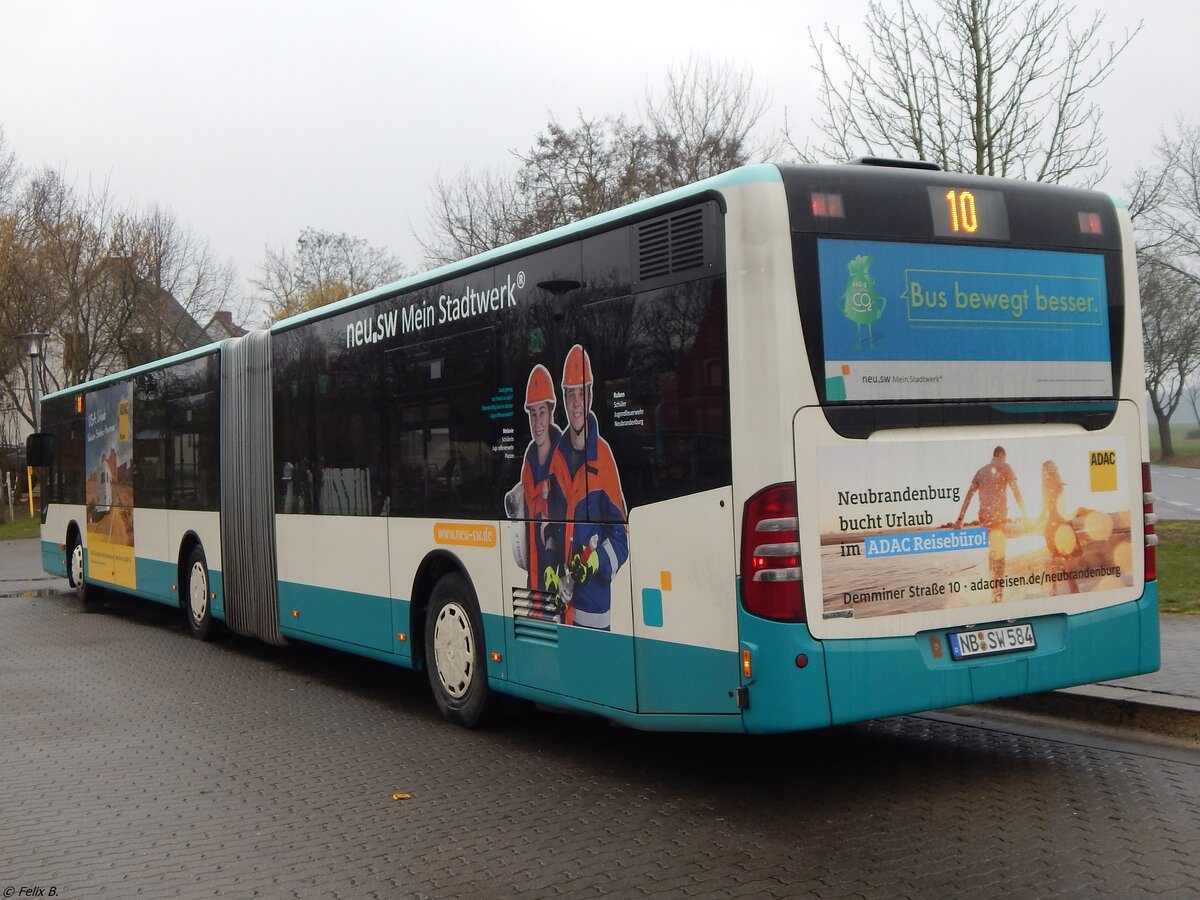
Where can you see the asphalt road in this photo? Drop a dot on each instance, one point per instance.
(135, 760)
(1177, 490)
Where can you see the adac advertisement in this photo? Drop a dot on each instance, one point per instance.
(923, 526)
(906, 321)
(109, 491)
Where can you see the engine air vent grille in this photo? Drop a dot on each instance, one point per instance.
(671, 244)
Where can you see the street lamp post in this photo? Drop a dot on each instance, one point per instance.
(34, 341)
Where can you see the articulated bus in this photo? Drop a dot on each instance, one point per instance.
(792, 447)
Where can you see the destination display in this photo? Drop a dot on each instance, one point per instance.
(920, 322)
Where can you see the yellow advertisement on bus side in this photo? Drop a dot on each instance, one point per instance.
(109, 486)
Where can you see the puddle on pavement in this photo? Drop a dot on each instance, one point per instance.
(32, 595)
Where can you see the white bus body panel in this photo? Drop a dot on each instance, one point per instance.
(59, 518)
(342, 553)
(769, 377)
(683, 577)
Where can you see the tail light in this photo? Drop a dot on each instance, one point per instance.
(1149, 519)
(771, 580)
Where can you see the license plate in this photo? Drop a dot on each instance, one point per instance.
(990, 641)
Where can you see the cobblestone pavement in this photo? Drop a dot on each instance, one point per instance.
(136, 761)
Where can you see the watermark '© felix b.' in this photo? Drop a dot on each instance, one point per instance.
(30, 890)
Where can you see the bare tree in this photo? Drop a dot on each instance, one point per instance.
(1165, 197)
(471, 214)
(165, 283)
(572, 173)
(113, 288)
(568, 174)
(24, 307)
(53, 254)
(71, 234)
(1193, 397)
(993, 87)
(10, 173)
(1171, 324)
(703, 123)
(1165, 207)
(323, 267)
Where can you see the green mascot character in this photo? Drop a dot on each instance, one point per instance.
(860, 303)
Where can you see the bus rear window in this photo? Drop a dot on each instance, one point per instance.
(925, 322)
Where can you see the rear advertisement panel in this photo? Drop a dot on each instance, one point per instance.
(926, 527)
(919, 322)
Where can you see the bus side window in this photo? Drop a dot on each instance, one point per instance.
(441, 458)
(662, 399)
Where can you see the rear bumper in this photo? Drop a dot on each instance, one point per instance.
(875, 677)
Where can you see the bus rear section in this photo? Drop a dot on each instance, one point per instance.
(968, 517)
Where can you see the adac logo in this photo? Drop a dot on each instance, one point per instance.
(1102, 469)
(861, 303)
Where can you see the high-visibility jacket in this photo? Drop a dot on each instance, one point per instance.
(537, 486)
(594, 507)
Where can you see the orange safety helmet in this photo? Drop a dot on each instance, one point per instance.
(539, 388)
(577, 370)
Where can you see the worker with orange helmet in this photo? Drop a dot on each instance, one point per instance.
(530, 499)
(596, 541)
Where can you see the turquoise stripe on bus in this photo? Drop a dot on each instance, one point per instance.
(54, 559)
(681, 678)
(158, 581)
(783, 696)
(595, 666)
(643, 722)
(308, 613)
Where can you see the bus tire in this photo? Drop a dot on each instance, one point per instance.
(88, 594)
(196, 596)
(454, 654)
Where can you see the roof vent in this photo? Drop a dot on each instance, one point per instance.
(895, 163)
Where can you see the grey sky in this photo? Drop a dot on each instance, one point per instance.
(251, 120)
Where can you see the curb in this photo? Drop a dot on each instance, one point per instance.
(1154, 715)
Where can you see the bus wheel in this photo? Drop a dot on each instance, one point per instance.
(196, 595)
(454, 654)
(87, 593)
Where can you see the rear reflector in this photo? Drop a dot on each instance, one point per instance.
(1149, 519)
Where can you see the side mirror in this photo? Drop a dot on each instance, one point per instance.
(41, 450)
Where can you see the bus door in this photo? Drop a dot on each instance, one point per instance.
(685, 626)
(563, 658)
